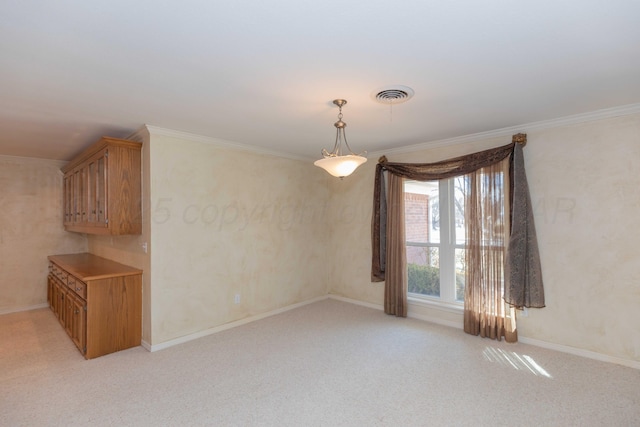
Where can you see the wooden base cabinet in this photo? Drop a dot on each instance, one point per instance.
(97, 301)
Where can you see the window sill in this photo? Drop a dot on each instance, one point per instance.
(451, 307)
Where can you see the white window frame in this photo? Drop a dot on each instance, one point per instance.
(446, 248)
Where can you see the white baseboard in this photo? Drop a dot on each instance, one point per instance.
(435, 320)
(204, 333)
(580, 352)
(524, 340)
(17, 310)
(410, 314)
(357, 302)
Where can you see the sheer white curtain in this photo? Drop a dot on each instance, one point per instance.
(489, 212)
(487, 230)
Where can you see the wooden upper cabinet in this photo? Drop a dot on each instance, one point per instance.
(102, 189)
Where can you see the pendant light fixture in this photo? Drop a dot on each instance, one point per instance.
(335, 162)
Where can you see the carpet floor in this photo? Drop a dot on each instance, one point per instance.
(329, 363)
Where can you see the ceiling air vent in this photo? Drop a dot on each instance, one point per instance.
(392, 94)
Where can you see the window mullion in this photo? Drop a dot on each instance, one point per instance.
(447, 249)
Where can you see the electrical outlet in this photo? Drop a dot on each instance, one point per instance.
(236, 299)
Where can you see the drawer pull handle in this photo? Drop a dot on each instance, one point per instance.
(78, 289)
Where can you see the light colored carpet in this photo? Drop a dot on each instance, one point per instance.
(329, 363)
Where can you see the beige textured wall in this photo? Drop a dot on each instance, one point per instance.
(280, 231)
(350, 214)
(226, 222)
(586, 197)
(30, 229)
(585, 193)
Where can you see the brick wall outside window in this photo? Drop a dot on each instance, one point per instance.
(416, 217)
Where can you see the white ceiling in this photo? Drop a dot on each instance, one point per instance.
(264, 73)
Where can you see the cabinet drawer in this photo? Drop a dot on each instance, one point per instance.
(58, 272)
(108, 320)
(77, 286)
(63, 276)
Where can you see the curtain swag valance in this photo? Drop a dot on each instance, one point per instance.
(523, 273)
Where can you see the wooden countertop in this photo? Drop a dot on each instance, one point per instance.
(86, 266)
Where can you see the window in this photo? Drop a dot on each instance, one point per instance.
(435, 239)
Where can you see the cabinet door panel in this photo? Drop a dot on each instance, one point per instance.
(78, 189)
(91, 192)
(103, 189)
(96, 189)
(99, 188)
(49, 290)
(80, 327)
(68, 313)
(61, 293)
(76, 323)
(68, 194)
(83, 195)
(53, 302)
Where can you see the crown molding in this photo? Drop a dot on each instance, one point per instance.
(56, 162)
(607, 113)
(158, 131)
(139, 135)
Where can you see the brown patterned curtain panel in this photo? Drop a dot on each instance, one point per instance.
(523, 285)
